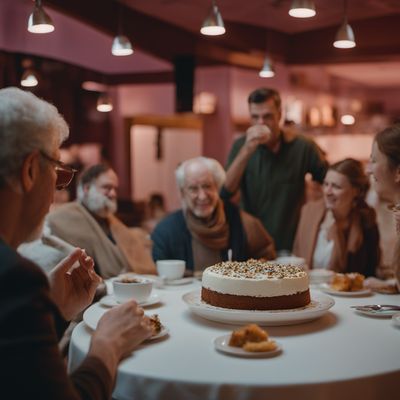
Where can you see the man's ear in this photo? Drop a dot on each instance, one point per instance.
(30, 171)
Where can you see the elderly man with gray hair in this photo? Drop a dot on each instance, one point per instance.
(34, 308)
(203, 231)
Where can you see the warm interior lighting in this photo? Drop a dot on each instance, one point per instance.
(121, 46)
(347, 119)
(205, 103)
(39, 21)
(92, 86)
(213, 25)
(344, 37)
(268, 70)
(29, 79)
(302, 9)
(104, 103)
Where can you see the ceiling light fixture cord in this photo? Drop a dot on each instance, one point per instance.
(268, 70)
(121, 45)
(345, 38)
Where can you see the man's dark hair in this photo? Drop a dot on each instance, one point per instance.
(262, 95)
(92, 173)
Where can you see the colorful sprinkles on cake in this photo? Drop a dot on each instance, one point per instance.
(255, 269)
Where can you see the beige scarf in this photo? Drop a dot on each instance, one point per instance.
(213, 233)
(208, 237)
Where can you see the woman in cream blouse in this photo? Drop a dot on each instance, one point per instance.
(339, 232)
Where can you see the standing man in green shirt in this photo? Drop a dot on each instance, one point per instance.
(268, 165)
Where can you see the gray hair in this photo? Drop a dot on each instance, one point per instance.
(27, 123)
(212, 165)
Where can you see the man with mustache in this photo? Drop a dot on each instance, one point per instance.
(90, 223)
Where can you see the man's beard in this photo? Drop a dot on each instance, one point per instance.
(99, 204)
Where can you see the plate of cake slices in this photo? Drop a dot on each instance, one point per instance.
(318, 306)
(327, 288)
(248, 341)
(349, 285)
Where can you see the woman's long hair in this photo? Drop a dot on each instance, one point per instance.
(388, 142)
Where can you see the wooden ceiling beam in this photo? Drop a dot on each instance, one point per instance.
(243, 45)
(152, 35)
(377, 39)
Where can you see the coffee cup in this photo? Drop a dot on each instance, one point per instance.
(171, 269)
(126, 289)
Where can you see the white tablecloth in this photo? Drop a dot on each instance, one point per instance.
(342, 355)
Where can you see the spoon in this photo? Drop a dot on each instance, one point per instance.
(377, 307)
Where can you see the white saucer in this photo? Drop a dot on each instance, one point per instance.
(176, 282)
(110, 301)
(325, 287)
(221, 343)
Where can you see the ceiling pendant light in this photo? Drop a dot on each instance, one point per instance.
(302, 9)
(39, 21)
(345, 36)
(213, 25)
(29, 79)
(268, 70)
(104, 103)
(121, 45)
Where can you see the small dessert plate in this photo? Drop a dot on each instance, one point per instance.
(110, 301)
(221, 344)
(396, 319)
(374, 313)
(177, 282)
(164, 331)
(325, 287)
(92, 315)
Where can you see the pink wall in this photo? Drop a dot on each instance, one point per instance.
(149, 174)
(158, 99)
(245, 81)
(312, 85)
(217, 128)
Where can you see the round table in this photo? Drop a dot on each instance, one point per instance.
(341, 355)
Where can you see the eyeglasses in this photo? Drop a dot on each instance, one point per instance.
(64, 172)
(195, 190)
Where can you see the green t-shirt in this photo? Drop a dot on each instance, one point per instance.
(272, 186)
